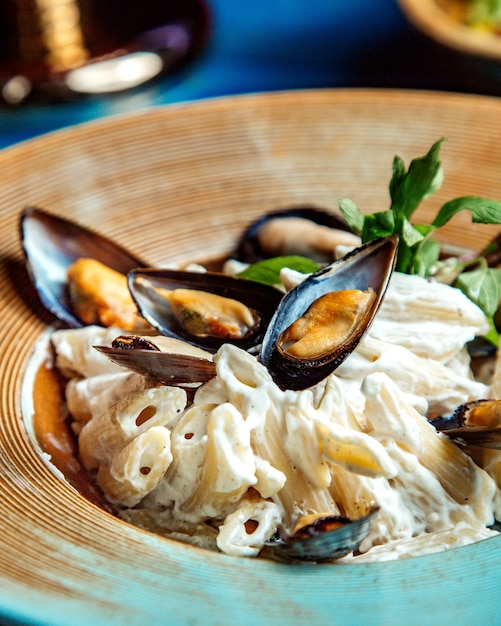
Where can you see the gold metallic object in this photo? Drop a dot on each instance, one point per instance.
(60, 49)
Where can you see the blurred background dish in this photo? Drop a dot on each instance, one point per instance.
(59, 49)
(269, 46)
(469, 26)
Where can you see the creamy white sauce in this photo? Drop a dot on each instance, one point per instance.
(245, 450)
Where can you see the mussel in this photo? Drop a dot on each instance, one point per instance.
(175, 364)
(326, 538)
(298, 230)
(51, 245)
(357, 284)
(337, 304)
(171, 300)
(476, 423)
(204, 309)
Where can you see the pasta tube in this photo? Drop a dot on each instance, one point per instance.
(228, 468)
(88, 397)
(461, 535)
(431, 319)
(137, 468)
(425, 458)
(489, 459)
(249, 387)
(75, 355)
(244, 531)
(188, 445)
(314, 440)
(441, 386)
(104, 435)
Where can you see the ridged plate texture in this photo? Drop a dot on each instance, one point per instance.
(179, 183)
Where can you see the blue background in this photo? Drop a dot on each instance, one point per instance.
(283, 44)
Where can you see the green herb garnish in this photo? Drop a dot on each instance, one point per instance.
(418, 253)
(268, 270)
(485, 14)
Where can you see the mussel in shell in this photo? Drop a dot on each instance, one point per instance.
(326, 538)
(304, 335)
(334, 307)
(51, 245)
(204, 309)
(303, 231)
(209, 309)
(476, 423)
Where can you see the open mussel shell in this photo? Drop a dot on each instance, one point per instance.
(476, 423)
(367, 267)
(326, 539)
(252, 245)
(51, 244)
(163, 360)
(156, 310)
(474, 436)
(162, 367)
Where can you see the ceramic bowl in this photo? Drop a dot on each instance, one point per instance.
(442, 21)
(179, 183)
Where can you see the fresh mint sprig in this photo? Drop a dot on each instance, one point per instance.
(268, 270)
(418, 252)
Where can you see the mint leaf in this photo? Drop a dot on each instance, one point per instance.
(483, 210)
(492, 335)
(424, 177)
(409, 234)
(426, 259)
(483, 286)
(376, 225)
(408, 246)
(397, 176)
(420, 259)
(268, 270)
(352, 214)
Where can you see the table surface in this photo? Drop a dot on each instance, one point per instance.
(282, 44)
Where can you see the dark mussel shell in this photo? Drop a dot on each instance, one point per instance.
(177, 370)
(249, 248)
(369, 266)
(51, 244)
(326, 539)
(145, 358)
(155, 310)
(477, 423)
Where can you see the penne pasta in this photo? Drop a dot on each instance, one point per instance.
(88, 397)
(244, 460)
(228, 467)
(248, 387)
(415, 445)
(245, 530)
(440, 386)
(74, 353)
(137, 468)
(461, 535)
(108, 432)
(431, 319)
